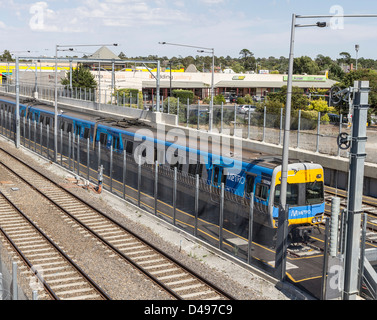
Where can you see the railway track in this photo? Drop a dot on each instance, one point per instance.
(369, 206)
(61, 278)
(169, 274)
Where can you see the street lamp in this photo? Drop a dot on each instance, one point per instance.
(283, 210)
(357, 52)
(212, 51)
(353, 228)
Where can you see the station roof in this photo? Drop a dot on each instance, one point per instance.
(104, 53)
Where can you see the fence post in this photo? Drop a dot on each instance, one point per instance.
(48, 141)
(222, 117)
(264, 124)
(124, 173)
(61, 147)
(14, 281)
(175, 195)
(35, 135)
(298, 128)
(221, 220)
(251, 220)
(198, 114)
(187, 112)
(318, 128)
(111, 168)
(155, 186)
(138, 181)
(196, 205)
(69, 150)
(177, 111)
(281, 125)
(78, 153)
(88, 156)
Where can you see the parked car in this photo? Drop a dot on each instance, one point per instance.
(245, 108)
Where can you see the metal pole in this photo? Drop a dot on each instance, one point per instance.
(111, 168)
(158, 87)
(222, 117)
(196, 205)
(88, 156)
(56, 107)
(14, 281)
(17, 105)
(138, 181)
(212, 91)
(318, 130)
(175, 195)
(61, 147)
(264, 123)
(78, 154)
(280, 262)
(325, 260)
(124, 173)
(251, 220)
(355, 192)
(298, 128)
(221, 218)
(69, 150)
(155, 186)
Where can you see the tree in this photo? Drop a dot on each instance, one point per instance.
(6, 56)
(305, 65)
(248, 59)
(81, 78)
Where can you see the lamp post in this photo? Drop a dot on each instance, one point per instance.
(353, 228)
(280, 259)
(212, 51)
(357, 53)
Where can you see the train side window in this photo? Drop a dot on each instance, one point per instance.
(217, 177)
(22, 113)
(47, 121)
(69, 128)
(129, 146)
(86, 133)
(62, 126)
(261, 191)
(249, 185)
(41, 118)
(103, 138)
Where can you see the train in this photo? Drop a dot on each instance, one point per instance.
(258, 176)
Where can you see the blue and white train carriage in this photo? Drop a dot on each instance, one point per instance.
(259, 176)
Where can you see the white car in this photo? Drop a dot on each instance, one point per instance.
(245, 108)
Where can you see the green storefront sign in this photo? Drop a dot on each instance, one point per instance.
(306, 78)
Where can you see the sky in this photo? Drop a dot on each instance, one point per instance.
(228, 26)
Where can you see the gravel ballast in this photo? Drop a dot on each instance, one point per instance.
(119, 279)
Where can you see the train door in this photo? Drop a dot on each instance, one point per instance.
(218, 176)
(249, 185)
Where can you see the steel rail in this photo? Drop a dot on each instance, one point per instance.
(160, 283)
(72, 263)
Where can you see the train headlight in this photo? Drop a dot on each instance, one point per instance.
(314, 220)
(276, 223)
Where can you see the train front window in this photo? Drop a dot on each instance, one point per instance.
(314, 192)
(292, 194)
